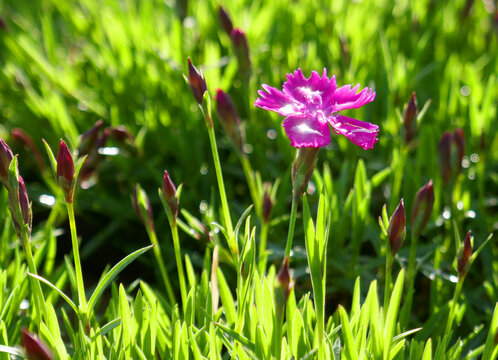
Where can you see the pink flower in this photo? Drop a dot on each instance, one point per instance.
(311, 105)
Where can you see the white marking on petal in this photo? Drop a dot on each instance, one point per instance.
(305, 129)
(287, 109)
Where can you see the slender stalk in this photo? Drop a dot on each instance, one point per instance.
(453, 304)
(263, 236)
(179, 263)
(76, 254)
(410, 280)
(162, 267)
(292, 224)
(249, 174)
(221, 186)
(388, 282)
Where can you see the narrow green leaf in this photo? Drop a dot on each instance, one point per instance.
(392, 314)
(347, 336)
(60, 292)
(125, 314)
(427, 355)
(226, 298)
(490, 348)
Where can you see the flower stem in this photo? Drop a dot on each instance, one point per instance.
(249, 174)
(453, 304)
(179, 263)
(410, 281)
(388, 283)
(221, 186)
(162, 267)
(263, 236)
(76, 255)
(292, 224)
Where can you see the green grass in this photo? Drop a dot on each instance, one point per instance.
(66, 64)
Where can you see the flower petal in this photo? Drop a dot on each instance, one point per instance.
(346, 98)
(358, 132)
(309, 92)
(307, 131)
(275, 100)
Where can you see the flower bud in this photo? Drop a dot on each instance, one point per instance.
(422, 207)
(459, 140)
(25, 216)
(444, 156)
(229, 118)
(267, 204)
(6, 157)
(302, 169)
(283, 286)
(65, 171)
(3, 24)
(142, 207)
(397, 228)
(463, 262)
(241, 49)
(169, 194)
(225, 21)
(89, 138)
(35, 348)
(24, 138)
(197, 82)
(409, 116)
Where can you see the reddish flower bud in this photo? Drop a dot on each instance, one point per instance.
(225, 21)
(197, 82)
(169, 193)
(89, 138)
(35, 348)
(422, 207)
(397, 228)
(302, 169)
(241, 49)
(445, 155)
(409, 116)
(229, 118)
(19, 200)
(24, 138)
(463, 262)
(283, 286)
(6, 157)
(3, 24)
(65, 171)
(122, 134)
(142, 207)
(24, 203)
(267, 204)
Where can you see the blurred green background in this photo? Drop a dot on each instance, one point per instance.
(66, 64)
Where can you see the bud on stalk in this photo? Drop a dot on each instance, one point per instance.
(142, 207)
(451, 161)
(169, 194)
(422, 207)
(397, 228)
(23, 201)
(241, 49)
(6, 157)
(267, 204)
(229, 118)
(463, 262)
(283, 286)
(225, 21)
(302, 169)
(65, 171)
(409, 116)
(197, 82)
(34, 347)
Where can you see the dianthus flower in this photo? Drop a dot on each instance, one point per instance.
(311, 105)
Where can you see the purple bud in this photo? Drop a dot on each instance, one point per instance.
(225, 21)
(267, 204)
(459, 140)
(35, 348)
(283, 287)
(3, 24)
(24, 203)
(302, 169)
(463, 262)
(229, 118)
(24, 138)
(397, 228)
(445, 155)
(241, 49)
(197, 82)
(169, 193)
(65, 171)
(6, 157)
(89, 138)
(142, 207)
(422, 207)
(409, 116)
(122, 134)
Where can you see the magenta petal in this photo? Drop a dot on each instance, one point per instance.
(307, 131)
(311, 91)
(358, 132)
(275, 100)
(346, 98)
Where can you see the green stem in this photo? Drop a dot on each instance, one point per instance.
(292, 224)
(263, 236)
(179, 263)
(249, 174)
(388, 283)
(410, 280)
(221, 186)
(162, 267)
(76, 254)
(453, 304)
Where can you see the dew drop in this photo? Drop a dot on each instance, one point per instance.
(272, 134)
(465, 162)
(247, 148)
(446, 214)
(453, 279)
(48, 200)
(460, 205)
(204, 169)
(471, 214)
(474, 158)
(109, 151)
(311, 188)
(24, 304)
(203, 206)
(465, 90)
